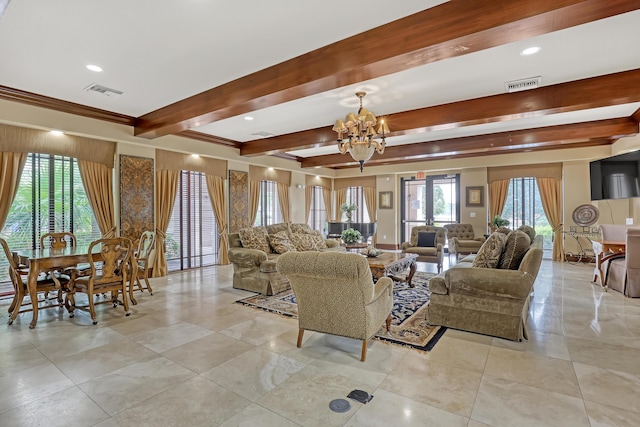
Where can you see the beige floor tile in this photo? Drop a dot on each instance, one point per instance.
(603, 355)
(171, 336)
(18, 356)
(533, 369)
(69, 407)
(200, 402)
(389, 409)
(255, 415)
(135, 383)
(260, 329)
(468, 336)
(207, 352)
(609, 387)
(507, 403)
(31, 384)
(460, 353)
(551, 345)
(474, 423)
(446, 387)
(606, 416)
(109, 422)
(254, 373)
(74, 339)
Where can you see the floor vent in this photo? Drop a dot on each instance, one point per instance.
(94, 87)
(524, 84)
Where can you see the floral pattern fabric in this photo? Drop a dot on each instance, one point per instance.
(303, 242)
(255, 238)
(490, 252)
(281, 243)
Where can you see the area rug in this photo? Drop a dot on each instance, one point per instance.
(408, 327)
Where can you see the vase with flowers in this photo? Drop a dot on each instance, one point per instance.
(348, 208)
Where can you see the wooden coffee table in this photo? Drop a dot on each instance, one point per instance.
(389, 264)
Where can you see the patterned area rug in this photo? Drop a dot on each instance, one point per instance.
(408, 327)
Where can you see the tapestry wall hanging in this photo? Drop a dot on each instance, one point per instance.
(136, 196)
(238, 201)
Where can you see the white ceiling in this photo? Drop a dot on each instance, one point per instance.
(159, 51)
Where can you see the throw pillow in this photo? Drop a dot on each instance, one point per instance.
(489, 254)
(517, 245)
(280, 243)
(318, 240)
(426, 239)
(303, 242)
(504, 230)
(529, 230)
(255, 238)
(301, 228)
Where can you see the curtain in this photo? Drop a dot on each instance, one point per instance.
(497, 197)
(550, 194)
(283, 201)
(326, 196)
(166, 189)
(341, 197)
(254, 199)
(97, 180)
(308, 194)
(215, 186)
(370, 201)
(11, 166)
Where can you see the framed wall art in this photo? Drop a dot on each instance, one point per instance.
(475, 197)
(385, 200)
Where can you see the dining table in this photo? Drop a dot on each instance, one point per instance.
(42, 260)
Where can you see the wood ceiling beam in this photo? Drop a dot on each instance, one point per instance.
(602, 91)
(491, 144)
(451, 29)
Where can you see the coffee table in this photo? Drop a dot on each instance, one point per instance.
(388, 264)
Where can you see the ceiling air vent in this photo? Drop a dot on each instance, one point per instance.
(94, 87)
(524, 84)
(263, 134)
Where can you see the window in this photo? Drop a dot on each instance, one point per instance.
(192, 235)
(50, 198)
(318, 213)
(268, 206)
(524, 206)
(355, 195)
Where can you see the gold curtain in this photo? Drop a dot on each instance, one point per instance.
(215, 187)
(166, 189)
(551, 196)
(370, 201)
(326, 196)
(254, 199)
(11, 168)
(497, 197)
(341, 197)
(97, 180)
(283, 201)
(308, 193)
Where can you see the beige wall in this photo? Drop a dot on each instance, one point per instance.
(386, 228)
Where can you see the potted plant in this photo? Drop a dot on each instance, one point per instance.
(350, 236)
(498, 222)
(347, 208)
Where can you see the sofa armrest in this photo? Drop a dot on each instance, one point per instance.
(406, 245)
(480, 239)
(247, 257)
(382, 286)
(332, 243)
(499, 282)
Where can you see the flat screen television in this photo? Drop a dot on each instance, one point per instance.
(615, 177)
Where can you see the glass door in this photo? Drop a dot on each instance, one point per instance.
(433, 200)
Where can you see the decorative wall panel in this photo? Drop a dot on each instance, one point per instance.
(136, 196)
(238, 200)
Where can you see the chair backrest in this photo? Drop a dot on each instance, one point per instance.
(632, 259)
(461, 231)
(332, 289)
(57, 240)
(613, 232)
(13, 264)
(116, 253)
(145, 246)
(441, 233)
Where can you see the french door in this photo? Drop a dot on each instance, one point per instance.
(433, 200)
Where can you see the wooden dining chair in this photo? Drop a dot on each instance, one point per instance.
(113, 261)
(18, 275)
(143, 259)
(58, 241)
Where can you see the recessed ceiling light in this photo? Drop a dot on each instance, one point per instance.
(530, 50)
(56, 132)
(94, 68)
(248, 118)
(195, 155)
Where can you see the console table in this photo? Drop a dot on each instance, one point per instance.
(583, 252)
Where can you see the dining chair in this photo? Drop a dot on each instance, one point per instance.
(143, 259)
(58, 241)
(18, 275)
(109, 270)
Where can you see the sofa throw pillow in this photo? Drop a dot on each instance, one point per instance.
(504, 230)
(318, 240)
(255, 238)
(529, 230)
(281, 243)
(426, 239)
(489, 254)
(517, 245)
(303, 242)
(301, 228)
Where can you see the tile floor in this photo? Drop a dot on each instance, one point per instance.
(189, 356)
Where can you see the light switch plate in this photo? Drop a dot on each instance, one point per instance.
(629, 221)
(472, 214)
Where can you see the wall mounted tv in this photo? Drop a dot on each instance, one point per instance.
(616, 177)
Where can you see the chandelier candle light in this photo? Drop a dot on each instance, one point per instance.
(356, 134)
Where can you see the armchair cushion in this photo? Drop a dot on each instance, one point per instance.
(318, 240)
(529, 230)
(427, 239)
(281, 243)
(255, 238)
(516, 246)
(490, 252)
(303, 242)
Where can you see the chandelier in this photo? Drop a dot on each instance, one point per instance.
(356, 134)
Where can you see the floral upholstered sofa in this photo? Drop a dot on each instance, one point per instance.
(253, 251)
